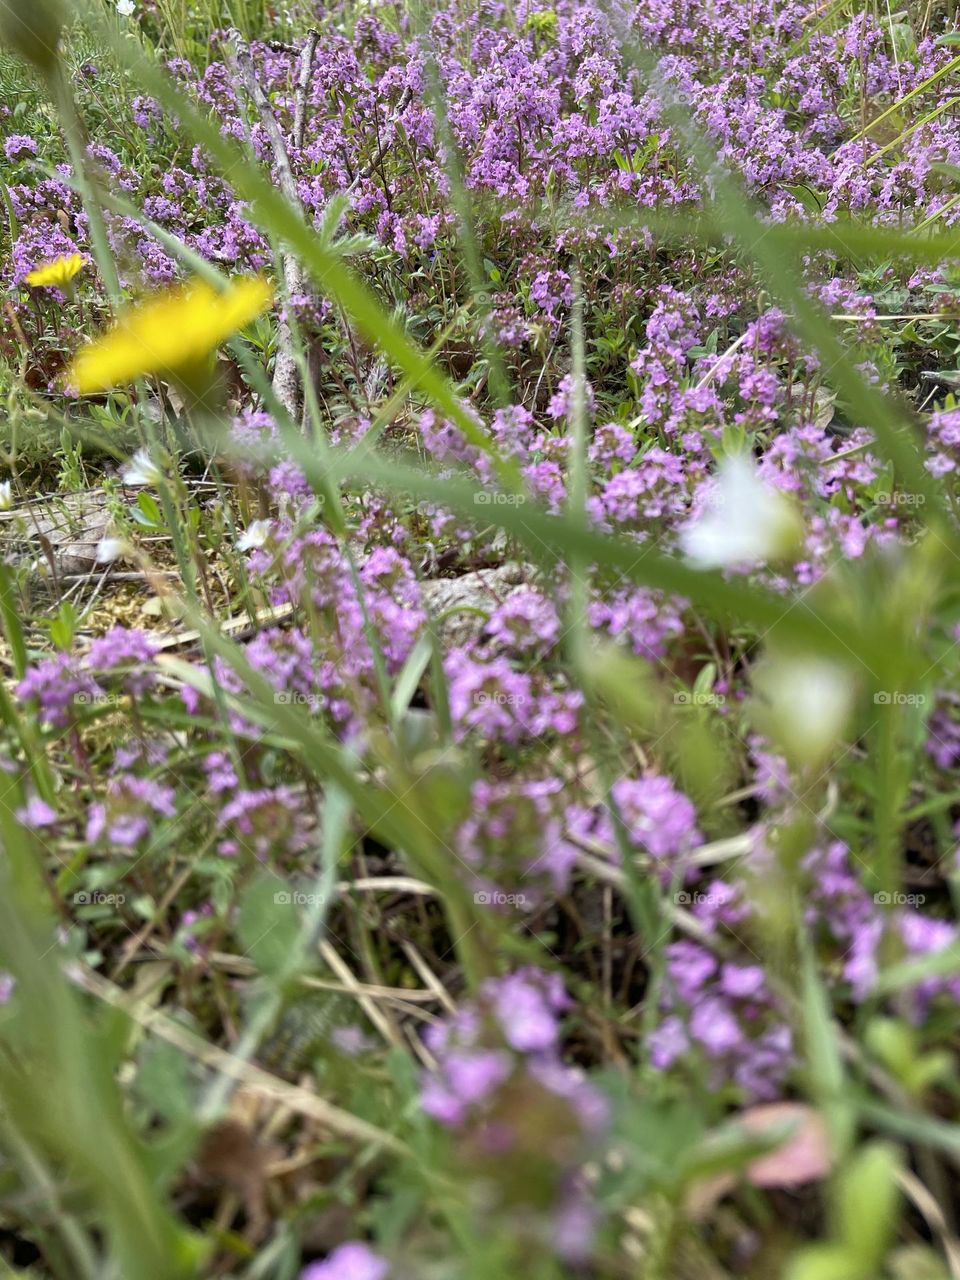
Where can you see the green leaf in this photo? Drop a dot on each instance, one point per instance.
(807, 197)
(867, 1204)
(825, 1262)
(164, 1081)
(148, 511)
(268, 922)
(909, 973)
(823, 1053)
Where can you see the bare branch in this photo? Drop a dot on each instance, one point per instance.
(286, 372)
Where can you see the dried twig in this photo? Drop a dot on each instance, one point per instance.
(303, 84)
(379, 1017)
(286, 372)
(255, 1079)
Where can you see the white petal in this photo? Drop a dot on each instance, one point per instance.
(140, 470)
(110, 549)
(805, 703)
(255, 535)
(744, 522)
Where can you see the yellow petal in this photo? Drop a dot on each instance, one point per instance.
(57, 272)
(171, 331)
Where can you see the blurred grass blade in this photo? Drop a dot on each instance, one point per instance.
(269, 210)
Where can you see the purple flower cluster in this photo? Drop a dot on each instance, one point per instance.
(129, 811)
(62, 687)
(351, 1261)
(124, 657)
(491, 699)
(543, 111)
(726, 1015)
(514, 840)
(524, 1120)
(658, 819)
(271, 822)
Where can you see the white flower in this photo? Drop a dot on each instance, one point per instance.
(141, 471)
(126, 8)
(6, 495)
(254, 535)
(744, 522)
(110, 549)
(803, 704)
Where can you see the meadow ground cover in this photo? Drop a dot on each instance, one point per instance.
(480, 704)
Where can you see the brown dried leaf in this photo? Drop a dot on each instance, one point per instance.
(803, 1156)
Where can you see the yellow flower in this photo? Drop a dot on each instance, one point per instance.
(58, 272)
(171, 334)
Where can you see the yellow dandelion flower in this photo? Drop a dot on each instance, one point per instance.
(172, 334)
(58, 273)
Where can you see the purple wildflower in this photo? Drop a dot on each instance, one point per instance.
(351, 1261)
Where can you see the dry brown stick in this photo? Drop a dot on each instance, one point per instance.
(254, 1078)
(142, 936)
(365, 170)
(395, 995)
(303, 85)
(286, 372)
(429, 977)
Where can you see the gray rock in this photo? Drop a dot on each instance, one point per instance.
(461, 606)
(57, 535)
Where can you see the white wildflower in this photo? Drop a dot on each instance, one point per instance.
(255, 535)
(744, 522)
(141, 470)
(110, 549)
(803, 704)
